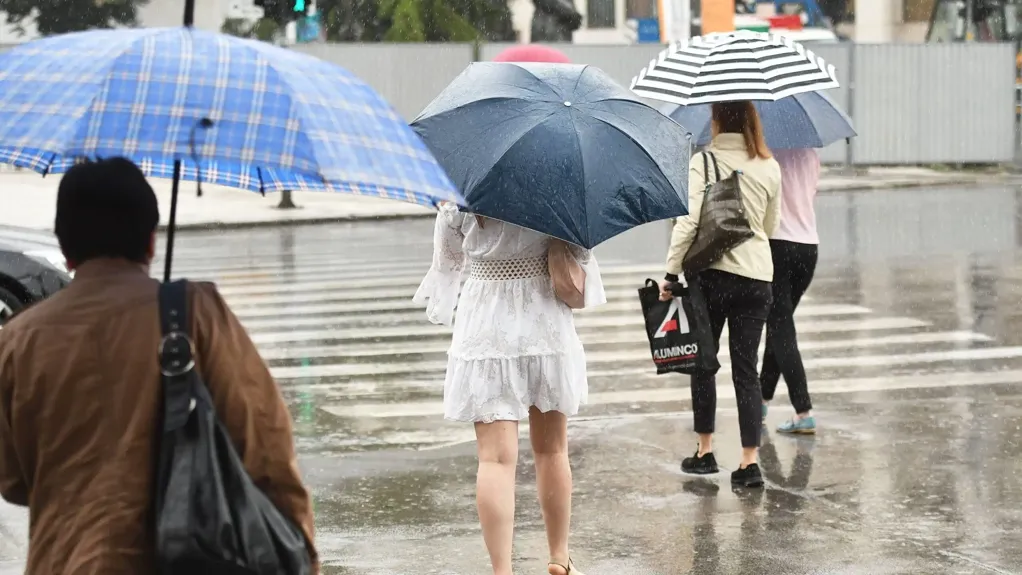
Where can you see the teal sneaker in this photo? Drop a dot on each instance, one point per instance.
(804, 426)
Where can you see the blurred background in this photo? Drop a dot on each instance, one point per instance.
(927, 82)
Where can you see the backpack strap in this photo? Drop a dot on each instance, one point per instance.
(716, 168)
(706, 166)
(176, 355)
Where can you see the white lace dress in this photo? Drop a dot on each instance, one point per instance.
(514, 344)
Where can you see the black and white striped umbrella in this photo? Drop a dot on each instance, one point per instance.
(728, 66)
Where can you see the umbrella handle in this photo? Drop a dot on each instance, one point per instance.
(204, 123)
(189, 13)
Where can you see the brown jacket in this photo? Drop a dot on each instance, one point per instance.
(79, 394)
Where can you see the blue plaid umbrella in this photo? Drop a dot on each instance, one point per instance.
(189, 104)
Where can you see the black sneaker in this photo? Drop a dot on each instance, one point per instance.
(748, 477)
(696, 465)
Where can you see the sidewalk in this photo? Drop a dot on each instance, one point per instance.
(835, 179)
(28, 199)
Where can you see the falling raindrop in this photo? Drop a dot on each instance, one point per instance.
(306, 405)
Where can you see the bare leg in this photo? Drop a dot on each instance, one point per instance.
(705, 443)
(750, 455)
(495, 489)
(549, 435)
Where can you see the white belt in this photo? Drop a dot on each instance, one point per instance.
(503, 270)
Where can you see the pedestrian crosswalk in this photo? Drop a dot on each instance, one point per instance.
(361, 365)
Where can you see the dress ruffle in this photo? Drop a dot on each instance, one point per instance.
(595, 294)
(488, 390)
(439, 289)
(439, 293)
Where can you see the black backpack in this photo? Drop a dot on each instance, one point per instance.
(210, 516)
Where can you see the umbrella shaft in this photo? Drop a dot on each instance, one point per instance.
(172, 220)
(189, 13)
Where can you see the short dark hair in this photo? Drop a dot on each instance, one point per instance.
(105, 209)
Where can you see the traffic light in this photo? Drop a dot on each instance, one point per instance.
(283, 11)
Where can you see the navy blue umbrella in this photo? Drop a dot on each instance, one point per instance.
(557, 148)
(809, 120)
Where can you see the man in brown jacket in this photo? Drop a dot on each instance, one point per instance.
(80, 389)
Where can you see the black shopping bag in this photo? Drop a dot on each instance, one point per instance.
(678, 330)
(211, 518)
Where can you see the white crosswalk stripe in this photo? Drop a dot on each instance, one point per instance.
(343, 339)
(615, 314)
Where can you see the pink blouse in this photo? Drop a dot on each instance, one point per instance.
(800, 173)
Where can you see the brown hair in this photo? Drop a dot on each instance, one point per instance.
(740, 118)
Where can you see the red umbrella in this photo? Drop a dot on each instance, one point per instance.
(532, 53)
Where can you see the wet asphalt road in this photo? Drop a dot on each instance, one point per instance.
(913, 346)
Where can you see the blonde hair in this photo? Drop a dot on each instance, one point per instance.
(740, 118)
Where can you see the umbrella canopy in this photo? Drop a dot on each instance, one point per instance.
(810, 120)
(560, 149)
(532, 53)
(249, 114)
(732, 66)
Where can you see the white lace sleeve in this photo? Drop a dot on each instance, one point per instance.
(439, 289)
(594, 292)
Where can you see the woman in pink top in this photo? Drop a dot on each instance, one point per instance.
(793, 247)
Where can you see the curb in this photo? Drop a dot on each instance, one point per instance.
(905, 184)
(383, 217)
(349, 218)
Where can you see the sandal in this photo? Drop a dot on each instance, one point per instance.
(569, 569)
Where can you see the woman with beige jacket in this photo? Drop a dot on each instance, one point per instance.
(736, 287)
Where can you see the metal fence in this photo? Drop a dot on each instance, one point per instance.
(934, 103)
(409, 76)
(911, 103)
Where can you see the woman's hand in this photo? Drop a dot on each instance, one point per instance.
(665, 290)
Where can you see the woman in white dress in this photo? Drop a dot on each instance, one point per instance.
(515, 354)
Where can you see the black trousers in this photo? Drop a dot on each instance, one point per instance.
(794, 265)
(742, 303)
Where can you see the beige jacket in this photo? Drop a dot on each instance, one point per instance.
(79, 405)
(761, 192)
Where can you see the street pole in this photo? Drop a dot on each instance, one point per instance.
(286, 201)
(970, 7)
